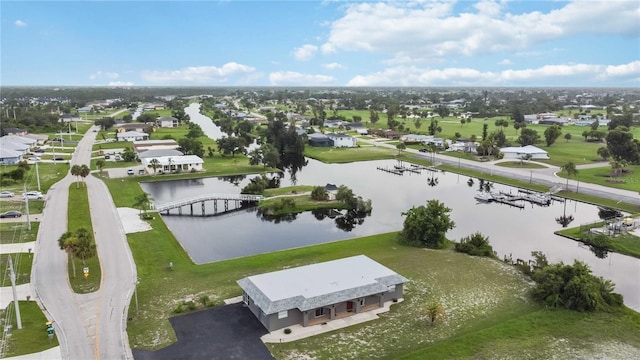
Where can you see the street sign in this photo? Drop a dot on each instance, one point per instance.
(86, 270)
(86, 275)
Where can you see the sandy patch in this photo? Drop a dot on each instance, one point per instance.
(131, 221)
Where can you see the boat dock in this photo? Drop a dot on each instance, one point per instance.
(401, 168)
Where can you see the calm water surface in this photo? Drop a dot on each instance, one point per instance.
(511, 230)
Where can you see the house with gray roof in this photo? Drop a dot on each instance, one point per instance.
(317, 293)
(9, 157)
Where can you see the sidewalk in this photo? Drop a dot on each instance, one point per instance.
(49, 354)
(26, 247)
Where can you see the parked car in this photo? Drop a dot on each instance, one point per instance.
(424, 150)
(11, 214)
(130, 172)
(6, 194)
(34, 158)
(39, 151)
(107, 157)
(117, 157)
(58, 159)
(33, 195)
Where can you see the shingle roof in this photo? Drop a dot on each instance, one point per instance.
(312, 286)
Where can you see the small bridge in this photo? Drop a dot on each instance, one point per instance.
(239, 200)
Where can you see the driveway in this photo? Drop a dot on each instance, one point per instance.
(224, 332)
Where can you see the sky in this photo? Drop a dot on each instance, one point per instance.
(330, 43)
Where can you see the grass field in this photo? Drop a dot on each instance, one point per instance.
(520, 165)
(80, 217)
(18, 232)
(35, 206)
(626, 244)
(50, 173)
(21, 266)
(601, 176)
(344, 155)
(32, 338)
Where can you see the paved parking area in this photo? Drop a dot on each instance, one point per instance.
(224, 332)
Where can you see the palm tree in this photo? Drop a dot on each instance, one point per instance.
(570, 169)
(84, 172)
(143, 202)
(155, 164)
(75, 171)
(435, 312)
(100, 165)
(85, 247)
(68, 242)
(401, 147)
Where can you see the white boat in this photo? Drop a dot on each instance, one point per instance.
(483, 197)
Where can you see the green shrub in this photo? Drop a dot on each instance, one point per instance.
(179, 309)
(191, 305)
(287, 331)
(475, 245)
(204, 300)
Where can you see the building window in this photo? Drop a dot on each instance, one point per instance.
(319, 312)
(283, 314)
(391, 288)
(361, 302)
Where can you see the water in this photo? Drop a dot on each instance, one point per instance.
(209, 128)
(511, 231)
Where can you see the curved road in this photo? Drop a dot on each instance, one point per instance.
(88, 326)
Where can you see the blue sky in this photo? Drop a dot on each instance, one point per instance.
(320, 43)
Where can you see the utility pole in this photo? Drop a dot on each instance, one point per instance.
(15, 294)
(26, 205)
(38, 175)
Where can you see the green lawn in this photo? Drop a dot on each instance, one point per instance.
(344, 155)
(520, 164)
(601, 176)
(21, 266)
(290, 190)
(32, 338)
(626, 244)
(50, 173)
(80, 216)
(18, 232)
(35, 206)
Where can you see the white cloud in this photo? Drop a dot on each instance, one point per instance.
(505, 62)
(292, 78)
(100, 75)
(20, 23)
(333, 66)
(568, 73)
(197, 74)
(305, 53)
(120, 83)
(430, 29)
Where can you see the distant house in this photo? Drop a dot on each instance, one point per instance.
(39, 138)
(167, 122)
(342, 140)
(140, 146)
(14, 131)
(140, 127)
(416, 139)
(522, 151)
(169, 164)
(318, 293)
(85, 109)
(332, 190)
(9, 157)
(154, 153)
(132, 136)
(319, 139)
(70, 118)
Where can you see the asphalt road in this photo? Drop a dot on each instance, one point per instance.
(89, 326)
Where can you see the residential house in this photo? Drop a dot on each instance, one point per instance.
(132, 136)
(14, 131)
(318, 293)
(39, 138)
(319, 139)
(534, 152)
(146, 145)
(155, 153)
(65, 118)
(169, 164)
(416, 139)
(9, 157)
(342, 140)
(332, 191)
(167, 122)
(139, 127)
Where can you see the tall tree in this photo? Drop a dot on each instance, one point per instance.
(528, 137)
(84, 172)
(155, 164)
(100, 165)
(570, 169)
(552, 133)
(85, 246)
(426, 226)
(75, 171)
(143, 202)
(67, 242)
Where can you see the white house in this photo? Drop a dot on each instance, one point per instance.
(132, 136)
(318, 293)
(167, 122)
(520, 152)
(342, 140)
(185, 163)
(9, 157)
(144, 145)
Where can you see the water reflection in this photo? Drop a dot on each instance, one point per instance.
(511, 230)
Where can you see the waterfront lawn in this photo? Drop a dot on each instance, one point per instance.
(301, 203)
(290, 190)
(18, 233)
(601, 176)
(630, 208)
(35, 207)
(80, 216)
(520, 164)
(627, 244)
(32, 338)
(21, 266)
(50, 173)
(331, 155)
(576, 150)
